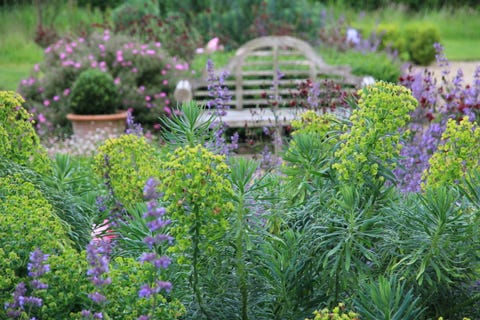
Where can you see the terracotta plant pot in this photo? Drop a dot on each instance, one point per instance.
(85, 126)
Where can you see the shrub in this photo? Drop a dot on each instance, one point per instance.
(372, 145)
(376, 64)
(18, 140)
(391, 38)
(27, 222)
(94, 92)
(126, 163)
(144, 74)
(132, 11)
(420, 41)
(456, 154)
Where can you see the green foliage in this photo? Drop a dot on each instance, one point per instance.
(388, 299)
(69, 285)
(189, 126)
(337, 313)
(27, 222)
(127, 275)
(133, 10)
(307, 165)
(94, 92)
(433, 244)
(194, 183)
(18, 140)
(342, 232)
(420, 41)
(456, 154)
(74, 205)
(376, 64)
(243, 184)
(310, 153)
(371, 145)
(126, 163)
(103, 5)
(287, 279)
(392, 38)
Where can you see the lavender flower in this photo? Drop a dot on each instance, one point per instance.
(132, 126)
(219, 103)
(451, 99)
(98, 256)
(155, 222)
(21, 302)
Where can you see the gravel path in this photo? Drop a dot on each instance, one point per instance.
(468, 68)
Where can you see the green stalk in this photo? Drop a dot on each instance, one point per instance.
(242, 276)
(196, 253)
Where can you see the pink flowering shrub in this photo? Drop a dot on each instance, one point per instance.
(144, 73)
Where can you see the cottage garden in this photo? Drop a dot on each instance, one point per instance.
(370, 216)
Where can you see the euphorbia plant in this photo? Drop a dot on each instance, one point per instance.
(197, 189)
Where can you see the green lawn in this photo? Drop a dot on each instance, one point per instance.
(462, 49)
(18, 53)
(12, 74)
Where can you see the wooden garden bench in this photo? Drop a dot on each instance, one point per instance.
(254, 76)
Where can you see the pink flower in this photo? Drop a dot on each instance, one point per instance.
(46, 103)
(101, 47)
(81, 40)
(106, 35)
(117, 81)
(158, 44)
(163, 94)
(213, 45)
(93, 64)
(135, 51)
(48, 49)
(41, 118)
(165, 82)
(66, 92)
(148, 98)
(167, 110)
(68, 49)
(151, 52)
(62, 55)
(141, 88)
(134, 70)
(181, 66)
(164, 72)
(157, 126)
(36, 68)
(56, 98)
(77, 65)
(91, 57)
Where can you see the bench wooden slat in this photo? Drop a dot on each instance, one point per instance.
(254, 72)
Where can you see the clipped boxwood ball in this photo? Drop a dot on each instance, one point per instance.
(94, 92)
